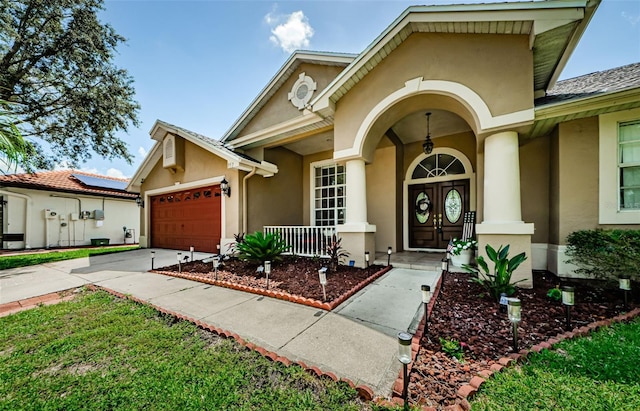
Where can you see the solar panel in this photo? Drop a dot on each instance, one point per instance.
(100, 182)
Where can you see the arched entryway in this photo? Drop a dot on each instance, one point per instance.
(439, 188)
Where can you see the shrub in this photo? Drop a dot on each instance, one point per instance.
(499, 281)
(336, 253)
(260, 248)
(554, 294)
(452, 347)
(605, 254)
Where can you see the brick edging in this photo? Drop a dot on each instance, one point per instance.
(281, 295)
(364, 392)
(33, 302)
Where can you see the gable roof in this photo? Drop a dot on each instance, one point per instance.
(235, 160)
(288, 68)
(69, 181)
(587, 96)
(554, 28)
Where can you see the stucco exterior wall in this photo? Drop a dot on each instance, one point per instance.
(279, 108)
(534, 186)
(276, 200)
(62, 230)
(381, 197)
(478, 60)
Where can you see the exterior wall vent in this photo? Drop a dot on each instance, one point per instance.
(173, 153)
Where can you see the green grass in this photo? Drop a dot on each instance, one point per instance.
(599, 372)
(102, 353)
(23, 260)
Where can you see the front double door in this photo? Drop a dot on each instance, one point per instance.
(436, 212)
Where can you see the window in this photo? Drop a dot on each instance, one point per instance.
(438, 165)
(629, 165)
(329, 194)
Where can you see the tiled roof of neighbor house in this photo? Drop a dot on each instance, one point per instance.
(591, 85)
(64, 181)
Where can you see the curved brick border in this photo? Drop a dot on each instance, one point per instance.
(33, 302)
(281, 295)
(364, 392)
(467, 391)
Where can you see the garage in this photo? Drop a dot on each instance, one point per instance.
(187, 218)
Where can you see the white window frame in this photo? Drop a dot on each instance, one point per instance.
(312, 186)
(609, 171)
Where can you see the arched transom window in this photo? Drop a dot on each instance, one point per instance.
(438, 165)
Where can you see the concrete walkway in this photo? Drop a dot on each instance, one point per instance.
(357, 340)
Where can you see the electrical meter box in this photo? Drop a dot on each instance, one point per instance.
(98, 214)
(50, 214)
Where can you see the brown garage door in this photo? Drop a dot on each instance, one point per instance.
(187, 218)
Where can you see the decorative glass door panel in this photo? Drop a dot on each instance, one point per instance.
(435, 213)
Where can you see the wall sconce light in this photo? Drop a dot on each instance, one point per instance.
(224, 187)
(140, 201)
(404, 356)
(513, 311)
(367, 256)
(426, 297)
(267, 271)
(322, 276)
(389, 256)
(153, 257)
(624, 283)
(568, 299)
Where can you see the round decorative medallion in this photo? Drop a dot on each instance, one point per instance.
(302, 91)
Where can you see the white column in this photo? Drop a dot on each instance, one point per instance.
(502, 179)
(356, 185)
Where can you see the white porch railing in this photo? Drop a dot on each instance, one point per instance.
(309, 241)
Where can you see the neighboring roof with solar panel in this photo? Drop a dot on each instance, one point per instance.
(70, 181)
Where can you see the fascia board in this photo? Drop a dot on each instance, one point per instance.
(270, 132)
(145, 167)
(605, 100)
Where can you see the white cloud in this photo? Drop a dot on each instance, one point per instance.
(142, 151)
(114, 172)
(294, 33)
(90, 170)
(631, 18)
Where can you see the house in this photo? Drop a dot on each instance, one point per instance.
(451, 109)
(66, 208)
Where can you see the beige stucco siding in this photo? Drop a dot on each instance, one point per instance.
(381, 197)
(276, 200)
(498, 68)
(279, 108)
(534, 186)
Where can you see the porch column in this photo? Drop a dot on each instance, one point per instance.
(356, 233)
(502, 224)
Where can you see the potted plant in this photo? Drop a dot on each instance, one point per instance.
(462, 251)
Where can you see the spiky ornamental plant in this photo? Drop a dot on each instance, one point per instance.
(259, 247)
(336, 253)
(500, 280)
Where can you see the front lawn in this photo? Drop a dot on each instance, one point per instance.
(23, 260)
(99, 352)
(599, 372)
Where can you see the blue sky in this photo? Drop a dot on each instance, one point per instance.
(199, 64)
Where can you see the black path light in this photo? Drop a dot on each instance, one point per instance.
(153, 257)
(322, 276)
(513, 312)
(568, 299)
(624, 283)
(426, 297)
(389, 250)
(367, 256)
(179, 256)
(267, 271)
(404, 356)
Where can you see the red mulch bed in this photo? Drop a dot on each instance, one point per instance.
(463, 312)
(293, 275)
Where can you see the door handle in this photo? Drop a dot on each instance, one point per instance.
(439, 223)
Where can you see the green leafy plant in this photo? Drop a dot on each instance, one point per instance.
(605, 254)
(500, 280)
(452, 347)
(336, 253)
(261, 247)
(555, 294)
(458, 246)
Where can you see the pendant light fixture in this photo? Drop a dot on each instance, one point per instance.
(427, 146)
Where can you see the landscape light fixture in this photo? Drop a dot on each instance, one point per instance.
(179, 256)
(568, 299)
(216, 264)
(427, 146)
(444, 264)
(404, 356)
(191, 249)
(322, 276)
(367, 257)
(153, 257)
(624, 283)
(426, 297)
(513, 311)
(389, 256)
(224, 187)
(140, 201)
(267, 271)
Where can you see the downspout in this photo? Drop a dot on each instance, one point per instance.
(27, 200)
(245, 201)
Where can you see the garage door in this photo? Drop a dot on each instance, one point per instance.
(187, 218)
